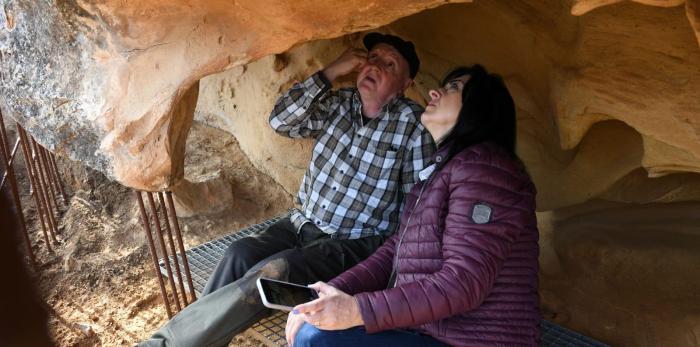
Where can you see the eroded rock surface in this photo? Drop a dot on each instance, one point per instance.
(598, 96)
(114, 84)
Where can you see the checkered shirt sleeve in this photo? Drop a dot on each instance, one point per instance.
(304, 108)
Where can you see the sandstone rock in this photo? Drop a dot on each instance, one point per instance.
(581, 7)
(209, 194)
(692, 8)
(114, 85)
(220, 182)
(639, 188)
(572, 149)
(627, 273)
(239, 101)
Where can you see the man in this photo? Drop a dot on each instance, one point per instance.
(368, 151)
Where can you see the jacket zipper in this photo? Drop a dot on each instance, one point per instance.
(395, 268)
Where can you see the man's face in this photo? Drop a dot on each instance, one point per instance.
(384, 76)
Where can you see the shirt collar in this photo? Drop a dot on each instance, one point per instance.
(357, 105)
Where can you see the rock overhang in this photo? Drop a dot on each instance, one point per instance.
(115, 86)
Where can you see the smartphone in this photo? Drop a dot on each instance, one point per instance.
(284, 295)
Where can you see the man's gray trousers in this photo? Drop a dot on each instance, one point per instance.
(231, 303)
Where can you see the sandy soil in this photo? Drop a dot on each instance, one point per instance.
(99, 282)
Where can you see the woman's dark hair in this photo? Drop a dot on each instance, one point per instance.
(487, 113)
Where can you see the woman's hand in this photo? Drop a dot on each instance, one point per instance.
(333, 310)
(294, 323)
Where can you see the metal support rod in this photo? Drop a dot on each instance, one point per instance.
(15, 192)
(50, 175)
(34, 185)
(42, 189)
(154, 255)
(9, 162)
(50, 183)
(172, 249)
(178, 235)
(58, 178)
(46, 155)
(164, 251)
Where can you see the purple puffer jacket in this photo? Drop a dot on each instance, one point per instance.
(465, 277)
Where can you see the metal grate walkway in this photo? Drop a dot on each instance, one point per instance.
(203, 260)
(556, 335)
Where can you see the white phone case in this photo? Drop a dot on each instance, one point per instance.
(264, 298)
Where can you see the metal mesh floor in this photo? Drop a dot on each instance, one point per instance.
(203, 260)
(556, 335)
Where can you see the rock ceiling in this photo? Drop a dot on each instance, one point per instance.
(114, 84)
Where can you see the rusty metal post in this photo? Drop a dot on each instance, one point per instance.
(58, 178)
(180, 245)
(43, 188)
(9, 163)
(154, 255)
(49, 174)
(46, 155)
(159, 231)
(15, 193)
(32, 180)
(51, 185)
(172, 249)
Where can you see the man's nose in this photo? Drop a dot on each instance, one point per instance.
(378, 63)
(374, 64)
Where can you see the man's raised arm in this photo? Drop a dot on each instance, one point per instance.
(303, 109)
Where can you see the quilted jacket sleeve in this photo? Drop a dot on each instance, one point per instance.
(371, 274)
(472, 253)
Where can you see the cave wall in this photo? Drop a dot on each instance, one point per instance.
(608, 109)
(584, 108)
(113, 84)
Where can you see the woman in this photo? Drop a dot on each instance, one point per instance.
(462, 268)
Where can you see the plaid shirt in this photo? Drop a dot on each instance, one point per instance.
(359, 172)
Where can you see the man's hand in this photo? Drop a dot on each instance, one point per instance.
(352, 59)
(333, 310)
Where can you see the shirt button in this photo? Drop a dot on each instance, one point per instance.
(323, 207)
(350, 156)
(342, 171)
(335, 188)
(318, 222)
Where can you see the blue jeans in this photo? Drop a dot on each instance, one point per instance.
(309, 336)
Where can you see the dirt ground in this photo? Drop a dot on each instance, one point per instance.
(99, 281)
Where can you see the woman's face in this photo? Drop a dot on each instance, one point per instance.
(442, 111)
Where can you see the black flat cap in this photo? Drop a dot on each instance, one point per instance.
(405, 48)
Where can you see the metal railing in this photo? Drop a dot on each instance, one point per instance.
(45, 184)
(163, 214)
